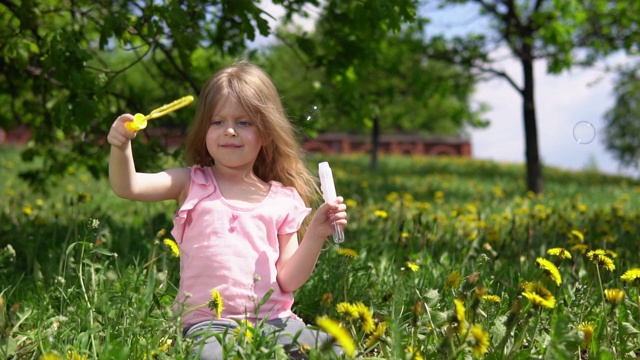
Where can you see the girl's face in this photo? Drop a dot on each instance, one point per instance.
(232, 139)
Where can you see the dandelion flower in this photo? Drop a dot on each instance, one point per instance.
(594, 253)
(50, 356)
(27, 210)
(539, 295)
(381, 214)
(366, 320)
(492, 298)
(614, 296)
(559, 252)
(452, 281)
(599, 258)
(350, 311)
(550, 270)
(587, 329)
(460, 316)
(327, 299)
(478, 340)
(357, 311)
(578, 235)
(74, 355)
(413, 266)
(175, 250)
(376, 335)
(580, 247)
(341, 335)
(346, 252)
(165, 344)
(215, 304)
(631, 276)
(415, 354)
(247, 326)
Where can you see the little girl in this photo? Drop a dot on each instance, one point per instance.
(242, 201)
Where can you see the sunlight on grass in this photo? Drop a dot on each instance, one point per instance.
(444, 258)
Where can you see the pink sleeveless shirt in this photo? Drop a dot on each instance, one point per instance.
(233, 249)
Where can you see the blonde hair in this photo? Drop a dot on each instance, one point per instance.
(281, 157)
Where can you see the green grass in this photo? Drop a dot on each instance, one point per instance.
(84, 274)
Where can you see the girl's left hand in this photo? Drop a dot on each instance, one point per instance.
(328, 213)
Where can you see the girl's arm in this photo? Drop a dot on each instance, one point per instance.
(296, 262)
(127, 183)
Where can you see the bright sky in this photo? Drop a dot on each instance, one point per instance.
(563, 103)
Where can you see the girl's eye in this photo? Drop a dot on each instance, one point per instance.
(216, 122)
(244, 123)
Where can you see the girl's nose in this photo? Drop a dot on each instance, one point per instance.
(230, 131)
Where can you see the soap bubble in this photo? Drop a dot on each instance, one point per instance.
(584, 132)
(311, 113)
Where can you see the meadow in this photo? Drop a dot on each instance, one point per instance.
(444, 258)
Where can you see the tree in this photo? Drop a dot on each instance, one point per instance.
(622, 121)
(564, 33)
(68, 68)
(380, 80)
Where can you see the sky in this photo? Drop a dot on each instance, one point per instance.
(572, 103)
(564, 103)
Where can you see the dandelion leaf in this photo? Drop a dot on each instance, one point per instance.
(628, 329)
(498, 330)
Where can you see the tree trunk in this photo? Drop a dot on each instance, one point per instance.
(535, 180)
(375, 143)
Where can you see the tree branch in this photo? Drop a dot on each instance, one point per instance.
(501, 74)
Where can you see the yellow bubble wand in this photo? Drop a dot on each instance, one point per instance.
(140, 120)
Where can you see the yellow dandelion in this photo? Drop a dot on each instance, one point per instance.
(175, 250)
(614, 296)
(580, 248)
(165, 344)
(74, 355)
(452, 281)
(549, 270)
(215, 304)
(478, 340)
(347, 309)
(459, 314)
(350, 203)
(598, 258)
(27, 210)
(381, 214)
(587, 329)
(559, 252)
(350, 253)
(595, 253)
(377, 335)
(413, 266)
(631, 276)
(539, 295)
(366, 320)
(492, 298)
(341, 335)
(83, 197)
(327, 299)
(415, 354)
(579, 235)
(50, 356)
(244, 328)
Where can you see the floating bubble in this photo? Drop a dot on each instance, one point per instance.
(311, 113)
(584, 132)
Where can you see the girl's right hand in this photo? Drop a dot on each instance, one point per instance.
(119, 136)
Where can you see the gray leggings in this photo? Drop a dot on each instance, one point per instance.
(209, 348)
